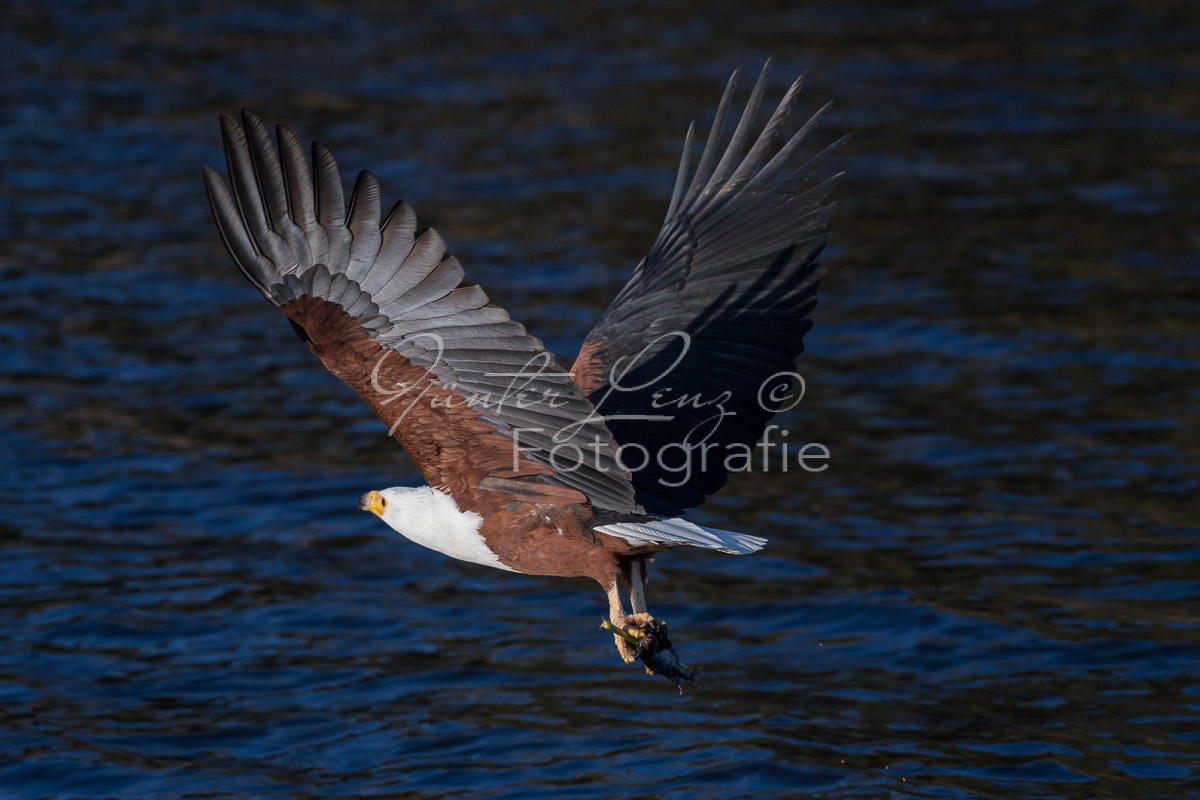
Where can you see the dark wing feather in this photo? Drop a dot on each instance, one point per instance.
(716, 311)
(458, 383)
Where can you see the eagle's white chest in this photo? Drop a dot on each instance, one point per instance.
(432, 519)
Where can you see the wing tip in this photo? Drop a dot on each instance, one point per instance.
(210, 174)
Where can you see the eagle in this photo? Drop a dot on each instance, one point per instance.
(530, 467)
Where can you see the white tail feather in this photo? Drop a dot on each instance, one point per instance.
(680, 532)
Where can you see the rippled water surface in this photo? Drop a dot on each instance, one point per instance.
(991, 592)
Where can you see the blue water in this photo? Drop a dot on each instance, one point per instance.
(992, 592)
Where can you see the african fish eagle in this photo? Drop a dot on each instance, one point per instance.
(527, 464)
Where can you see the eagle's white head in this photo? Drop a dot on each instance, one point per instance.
(431, 519)
(406, 509)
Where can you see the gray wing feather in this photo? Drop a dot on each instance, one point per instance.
(331, 205)
(681, 177)
(257, 268)
(363, 222)
(399, 236)
(420, 260)
(700, 179)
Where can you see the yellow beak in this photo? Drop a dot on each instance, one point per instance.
(373, 502)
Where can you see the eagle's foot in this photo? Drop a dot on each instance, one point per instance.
(641, 636)
(627, 631)
(644, 637)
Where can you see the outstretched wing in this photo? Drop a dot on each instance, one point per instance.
(476, 402)
(694, 355)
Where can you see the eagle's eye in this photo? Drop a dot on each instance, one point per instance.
(382, 501)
